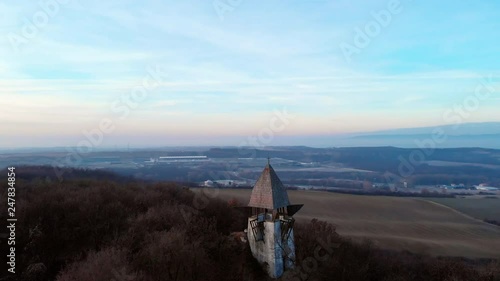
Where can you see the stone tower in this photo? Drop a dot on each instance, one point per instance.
(270, 226)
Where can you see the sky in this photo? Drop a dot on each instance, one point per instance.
(225, 72)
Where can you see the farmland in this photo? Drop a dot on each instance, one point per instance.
(411, 224)
(479, 208)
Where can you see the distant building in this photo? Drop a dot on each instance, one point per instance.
(453, 186)
(189, 158)
(484, 187)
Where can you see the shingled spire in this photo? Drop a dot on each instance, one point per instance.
(269, 192)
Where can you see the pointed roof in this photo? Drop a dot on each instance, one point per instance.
(269, 192)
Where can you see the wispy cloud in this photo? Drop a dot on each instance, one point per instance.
(229, 75)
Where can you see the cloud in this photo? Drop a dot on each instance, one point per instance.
(409, 99)
(228, 76)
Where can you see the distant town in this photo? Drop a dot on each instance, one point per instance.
(384, 169)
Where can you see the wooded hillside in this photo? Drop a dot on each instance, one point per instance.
(96, 226)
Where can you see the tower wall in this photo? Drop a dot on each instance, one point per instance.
(290, 261)
(271, 252)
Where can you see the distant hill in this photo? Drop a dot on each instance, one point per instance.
(485, 135)
(488, 128)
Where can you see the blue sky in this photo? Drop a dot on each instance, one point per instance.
(227, 66)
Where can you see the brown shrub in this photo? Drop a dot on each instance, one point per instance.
(106, 265)
(102, 230)
(170, 255)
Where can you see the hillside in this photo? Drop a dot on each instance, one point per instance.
(396, 223)
(101, 227)
(296, 165)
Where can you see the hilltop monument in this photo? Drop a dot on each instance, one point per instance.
(270, 226)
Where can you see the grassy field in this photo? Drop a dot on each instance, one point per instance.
(416, 225)
(479, 208)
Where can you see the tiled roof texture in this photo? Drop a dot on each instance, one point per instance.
(269, 192)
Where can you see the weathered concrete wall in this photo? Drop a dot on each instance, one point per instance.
(271, 251)
(289, 261)
(278, 251)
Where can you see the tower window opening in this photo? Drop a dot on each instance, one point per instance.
(257, 229)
